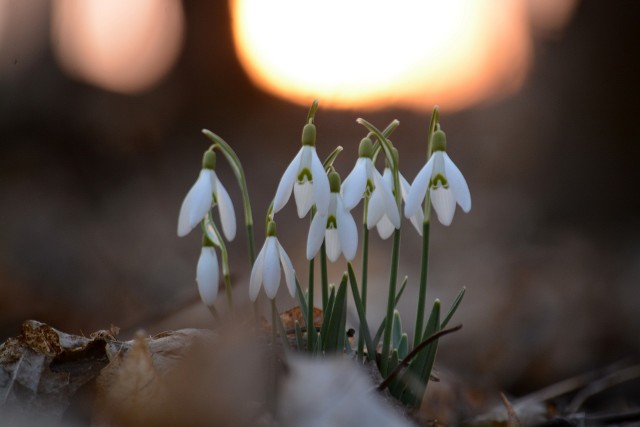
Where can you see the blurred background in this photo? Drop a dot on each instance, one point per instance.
(102, 105)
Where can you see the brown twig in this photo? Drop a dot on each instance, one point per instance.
(608, 381)
(405, 362)
(512, 417)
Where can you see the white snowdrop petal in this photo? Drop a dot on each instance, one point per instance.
(404, 186)
(196, 204)
(390, 206)
(271, 268)
(227, 213)
(289, 272)
(207, 275)
(385, 228)
(316, 235)
(347, 231)
(256, 275)
(457, 183)
(303, 193)
(184, 225)
(332, 244)
(286, 183)
(418, 189)
(375, 210)
(355, 184)
(202, 197)
(444, 204)
(320, 183)
(418, 218)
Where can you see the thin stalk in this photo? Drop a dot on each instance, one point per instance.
(424, 264)
(312, 111)
(386, 340)
(365, 268)
(422, 292)
(323, 276)
(311, 335)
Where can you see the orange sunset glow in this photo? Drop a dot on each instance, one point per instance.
(373, 54)
(120, 45)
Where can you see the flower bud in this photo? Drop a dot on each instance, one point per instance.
(366, 148)
(209, 160)
(438, 141)
(309, 134)
(334, 182)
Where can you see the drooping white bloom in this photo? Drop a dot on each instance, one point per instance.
(336, 228)
(267, 271)
(206, 191)
(418, 217)
(207, 275)
(355, 184)
(383, 211)
(445, 182)
(360, 179)
(306, 176)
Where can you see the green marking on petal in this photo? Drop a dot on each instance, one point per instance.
(331, 222)
(304, 176)
(439, 181)
(370, 187)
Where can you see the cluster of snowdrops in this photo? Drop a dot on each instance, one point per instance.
(319, 191)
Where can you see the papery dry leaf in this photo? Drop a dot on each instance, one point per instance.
(129, 383)
(43, 368)
(132, 388)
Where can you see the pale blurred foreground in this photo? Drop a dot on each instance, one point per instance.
(199, 377)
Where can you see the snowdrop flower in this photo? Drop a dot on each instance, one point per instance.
(335, 226)
(445, 182)
(207, 273)
(383, 211)
(360, 179)
(418, 217)
(266, 269)
(306, 176)
(206, 191)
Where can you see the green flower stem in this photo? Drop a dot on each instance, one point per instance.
(371, 347)
(393, 275)
(328, 162)
(422, 292)
(391, 299)
(424, 264)
(323, 276)
(311, 336)
(365, 268)
(236, 166)
(312, 111)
